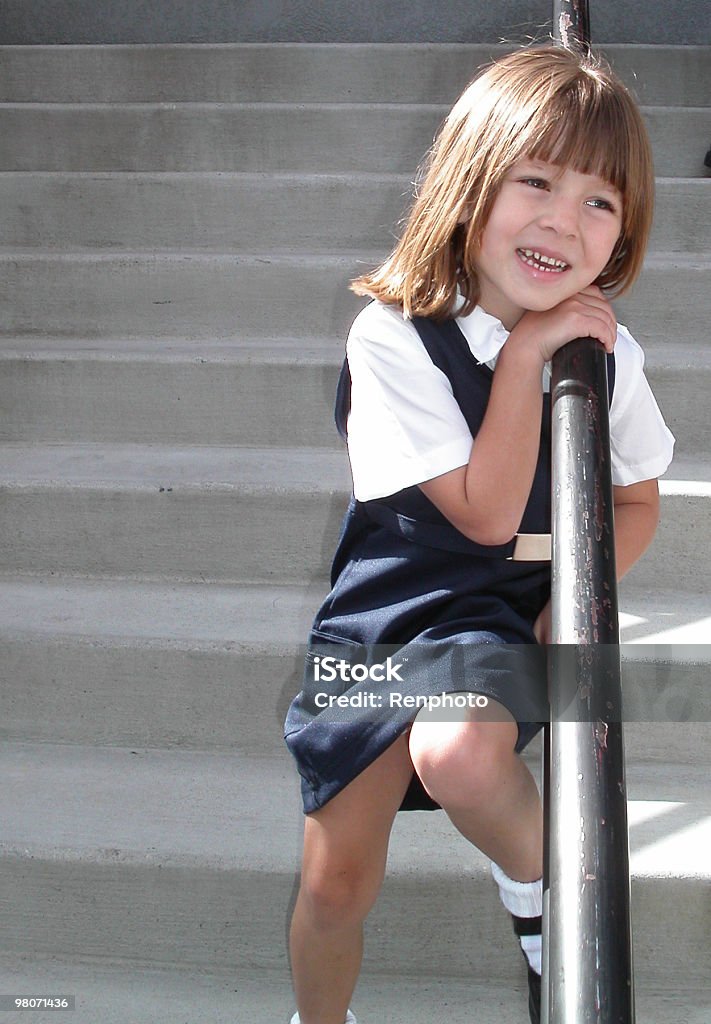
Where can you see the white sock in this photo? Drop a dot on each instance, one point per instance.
(522, 900)
(532, 946)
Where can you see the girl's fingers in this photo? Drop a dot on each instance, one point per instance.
(585, 314)
(599, 312)
(591, 323)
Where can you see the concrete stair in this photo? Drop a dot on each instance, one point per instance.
(201, 136)
(181, 223)
(265, 514)
(176, 390)
(213, 666)
(180, 873)
(204, 296)
(178, 817)
(310, 73)
(201, 211)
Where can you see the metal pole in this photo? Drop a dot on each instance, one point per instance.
(571, 23)
(586, 919)
(588, 929)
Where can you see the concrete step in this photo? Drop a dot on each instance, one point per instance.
(196, 666)
(169, 665)
(241, 392)
(179, 295)
(315, 137)
(207, 296)
(260, 392)
(219, 212)
(238, 515)
(195, 513)
(257, 213)
(369, 22)
(117, 992)
(673, 372)
(181, 870)
(302, 73)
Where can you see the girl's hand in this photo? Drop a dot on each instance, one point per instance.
(542, 627)
(586, 314)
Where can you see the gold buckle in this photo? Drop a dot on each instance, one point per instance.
(532, 547)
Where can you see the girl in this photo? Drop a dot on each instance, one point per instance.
(536, 205)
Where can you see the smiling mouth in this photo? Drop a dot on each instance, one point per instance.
(538, 261)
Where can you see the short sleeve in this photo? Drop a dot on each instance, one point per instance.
(405, 425)
(641, 444)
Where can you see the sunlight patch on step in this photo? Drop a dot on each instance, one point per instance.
(692, 631)
(682, 853)
(627, 621)
(696, 632)
(641, 811)
(686, 488)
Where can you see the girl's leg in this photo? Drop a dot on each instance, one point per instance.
(345, 849)
(469, 767)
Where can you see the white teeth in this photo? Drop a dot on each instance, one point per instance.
(547, 263)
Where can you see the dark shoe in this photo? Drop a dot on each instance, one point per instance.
(530, 926)
(534, 996)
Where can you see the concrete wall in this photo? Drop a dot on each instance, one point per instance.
(149, 21)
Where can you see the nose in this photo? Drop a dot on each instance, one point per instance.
(561, 214)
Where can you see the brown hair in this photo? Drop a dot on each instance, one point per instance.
(546, 103)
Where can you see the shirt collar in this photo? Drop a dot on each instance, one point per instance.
(485, 334)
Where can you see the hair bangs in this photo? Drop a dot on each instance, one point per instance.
(586, 130)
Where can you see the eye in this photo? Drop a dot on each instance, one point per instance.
(535, 182)
(601, 204)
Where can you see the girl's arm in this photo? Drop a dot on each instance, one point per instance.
(636, 518)
(486, 499)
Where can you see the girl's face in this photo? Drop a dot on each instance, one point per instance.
(550, 234)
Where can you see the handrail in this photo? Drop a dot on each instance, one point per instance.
(587, 947)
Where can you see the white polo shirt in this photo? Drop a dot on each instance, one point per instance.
(406, 427)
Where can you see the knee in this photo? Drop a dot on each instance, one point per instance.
(338, 896)
(460, 763)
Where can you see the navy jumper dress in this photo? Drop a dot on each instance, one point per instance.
(456, 616)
